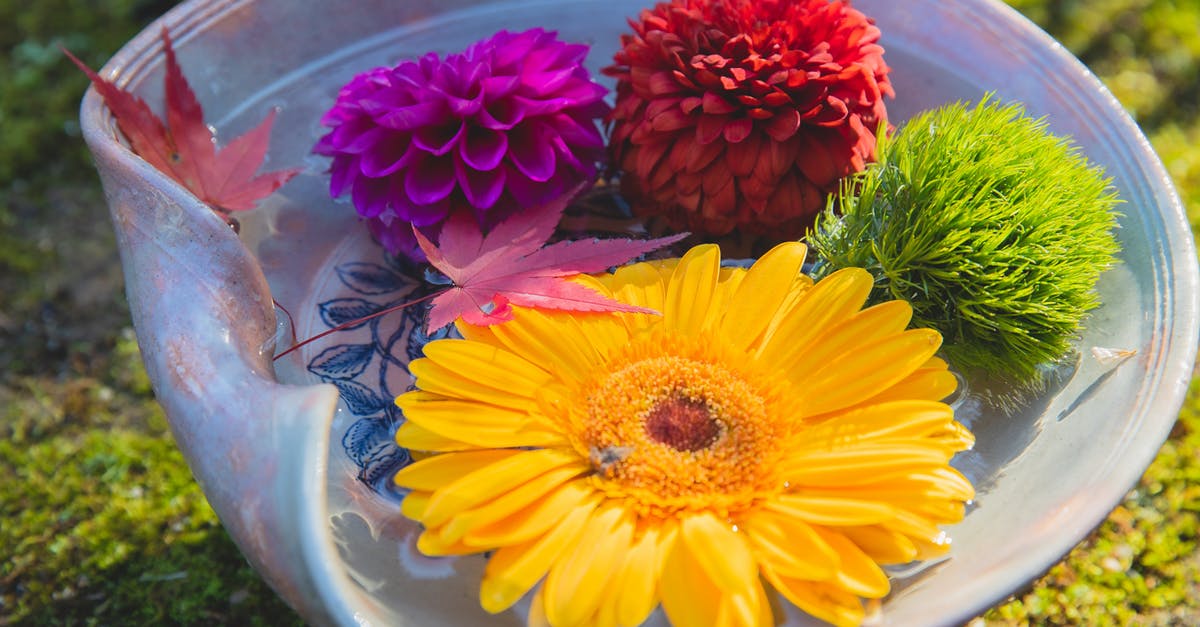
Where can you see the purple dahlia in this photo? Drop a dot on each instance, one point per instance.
(508, 123)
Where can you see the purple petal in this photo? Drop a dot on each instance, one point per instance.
(564, 152)
(541, 83)
(430, 180)
(530, 150)
(501, 114)
(576, 132)
(483, 148)
(348, 139)
(467, 106)
(516, 49)
(369, 196)
(582, 91)
(526, 192)
(413, 117)
(426, 215)
(341, 174)
(572, 54)
(496, 87)
(439, 139)
(397, 238)
(393, 153)
(532, 107)
(540, 59)
(482, 188)
(411, 74)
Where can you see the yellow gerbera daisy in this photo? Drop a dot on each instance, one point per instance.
(764, 431)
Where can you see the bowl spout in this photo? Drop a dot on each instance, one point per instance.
(205, 322)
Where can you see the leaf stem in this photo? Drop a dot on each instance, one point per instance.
(358, 321)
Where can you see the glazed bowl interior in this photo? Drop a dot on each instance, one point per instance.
(1046, 473)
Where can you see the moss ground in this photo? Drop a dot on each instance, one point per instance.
(100, 521)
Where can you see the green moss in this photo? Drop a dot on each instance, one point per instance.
(103, 522)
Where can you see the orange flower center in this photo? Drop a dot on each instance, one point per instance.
(679, 424)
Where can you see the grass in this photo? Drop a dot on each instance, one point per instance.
(100, 521)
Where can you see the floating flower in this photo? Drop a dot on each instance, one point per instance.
(993, 228)
(763, 429)
(745, 113)
(508, 123)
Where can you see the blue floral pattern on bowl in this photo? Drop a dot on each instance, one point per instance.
(369, 374)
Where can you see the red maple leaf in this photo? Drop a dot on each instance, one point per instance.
(511, 266)
(184, 148)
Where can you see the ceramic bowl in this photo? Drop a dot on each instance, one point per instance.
(293, 454)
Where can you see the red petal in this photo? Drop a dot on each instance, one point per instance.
(688, 183)
(709, 128)
(742, 155)
(703, 154)
(671, 120)
(737, 130)
(716, 104)
(662, 83)
(817, 159)
(784, 125)
(716, 177)
(648, 156)
(657, 106)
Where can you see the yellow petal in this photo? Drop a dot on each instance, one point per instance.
(689, 597)
(932, 381)
(435, 381)
(512, 507)
(638, 594)
(729, 568)
(575, 585)
(789, 545)
(414, 504)
(414, 437)
(431, 543)
(432, 473)
(531, 521)
(830, 510)
(746, 608)
(761, 293)
(918, 528)
(858, 465)
(881, 545)
(848, 336)
(893, 419)
(859, 375)
(828, 602)
(858, 573)
(830, 301)
(641, 284)
(564, 344)
(905, 488)
(537, 610)
(688, 305)
(513, 570)
(483, 485)
(487, 365)
(476, 423)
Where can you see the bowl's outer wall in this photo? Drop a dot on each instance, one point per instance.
(203, 313)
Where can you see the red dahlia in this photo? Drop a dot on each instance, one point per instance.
(745, 113)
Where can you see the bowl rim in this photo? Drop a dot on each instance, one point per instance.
(1180, 293)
